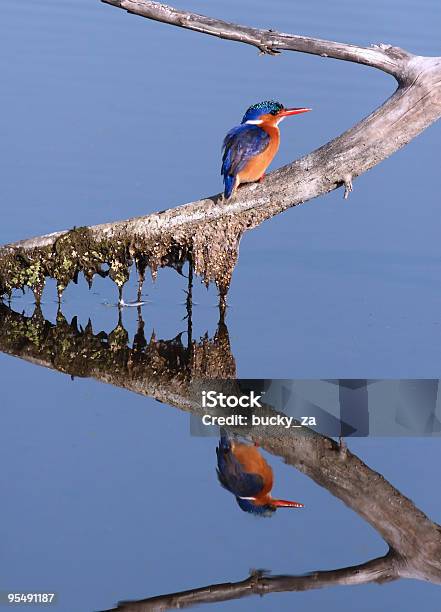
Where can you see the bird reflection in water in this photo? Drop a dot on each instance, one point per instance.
(244, 472)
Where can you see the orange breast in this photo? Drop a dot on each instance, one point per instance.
(253, 463)
(256, 167)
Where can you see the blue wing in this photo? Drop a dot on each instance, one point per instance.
(240, 145)
(231, 474)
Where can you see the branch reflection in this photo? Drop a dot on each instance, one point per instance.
(168, 370)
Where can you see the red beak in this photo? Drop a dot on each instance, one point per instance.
(281, 503)
(292, 111)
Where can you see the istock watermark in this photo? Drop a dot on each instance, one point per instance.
(338, 407)
(277, 420)
(211, 399)
(239, 410)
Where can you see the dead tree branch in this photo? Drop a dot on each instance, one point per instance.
(378, 570)
(267, 41)
(208, 229)
(174, 374)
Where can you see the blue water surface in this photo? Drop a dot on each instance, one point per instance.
(105, 116)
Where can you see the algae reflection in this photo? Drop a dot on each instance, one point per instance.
(159, 368)
(166, 370)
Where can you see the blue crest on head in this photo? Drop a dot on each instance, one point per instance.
(262, 108)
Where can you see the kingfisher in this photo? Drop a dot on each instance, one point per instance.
(243, 471)
(249, 148)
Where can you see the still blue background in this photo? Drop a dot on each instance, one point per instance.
(105, 115)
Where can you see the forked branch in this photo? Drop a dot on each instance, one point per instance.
(209, 231)
(174, 374)
(386, 58)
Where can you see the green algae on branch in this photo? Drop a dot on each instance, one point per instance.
(72, 252)
(22, 269)
(209, 230)
(111, 249)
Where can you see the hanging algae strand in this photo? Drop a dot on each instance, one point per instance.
(214, 248)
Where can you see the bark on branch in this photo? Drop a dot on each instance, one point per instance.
(384, 57)
(260, 583)
(173, 372)
(209, 231)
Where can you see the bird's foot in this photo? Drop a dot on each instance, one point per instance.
(262, 178)
(267, 50)
(347, 182)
